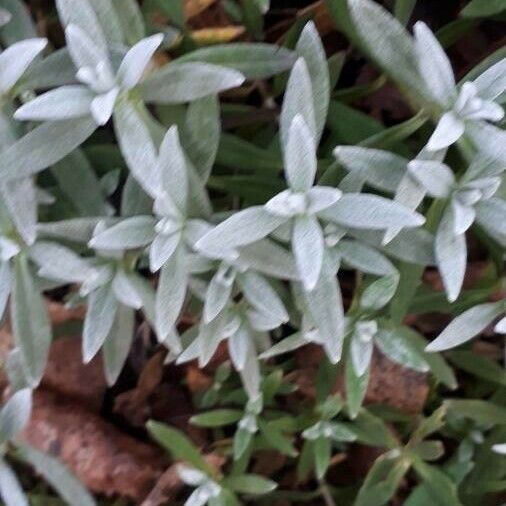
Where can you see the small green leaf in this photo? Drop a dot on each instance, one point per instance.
(477, 410)
(217, 418)
(322, 453)
(180, 447)
(251, 484)
(483, 8)
(440, 487)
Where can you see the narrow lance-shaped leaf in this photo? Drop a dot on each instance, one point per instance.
(102, 307)
(375, 213)
(298, 100)
(15, 60)
(15, 414)
(171, 293)
(467, 325)
(434, 66)
(183, 82)
(242, 228)
(202, 134)
(37, 149)
(451, 254)
(381, 169)
(253, 61)
(118, 343)
(32, 330)
(387, 41)
(10, 488)
(311, 49)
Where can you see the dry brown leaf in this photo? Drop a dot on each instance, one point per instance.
(193, 8)
(218, 35)
(104, 459)
(66, 374)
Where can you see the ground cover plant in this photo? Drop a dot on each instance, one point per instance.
(252, 252)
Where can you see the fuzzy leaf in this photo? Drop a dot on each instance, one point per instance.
(308, 248)
(253, 61)
(61, 103)
(242, 228)
(15, 414)
(137, 59)
(371, 212)
(171, 293)
(32, 330)
(118, 343)
(10, 488)
(434, 65)
(467, 325)
(15, 60)
(183, 82)
(102, 307)
(451, 255)
(300, 156)
(311, 49)
(36, 150)
(298, 100)
(381, 169)
(134, 232)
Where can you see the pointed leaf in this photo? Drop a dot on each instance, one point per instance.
(311, 49)
(467, 325)
(375, 212)
(308, 248)
(32, 330)
(183, 82)
(451, 254)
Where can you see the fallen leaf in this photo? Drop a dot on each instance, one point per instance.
(104, 459)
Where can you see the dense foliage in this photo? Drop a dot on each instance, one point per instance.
(120, 187)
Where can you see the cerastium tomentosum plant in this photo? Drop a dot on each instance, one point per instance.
(156, 212)
(316, 228)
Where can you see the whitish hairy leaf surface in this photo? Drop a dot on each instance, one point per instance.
(62, 103)
(300, 156)
(311, 49)
(10, 488)
(451, 254)
(137, 147)
(387, 41)
(81, 14)
(381, 169)
(137, 59)
(436, 177)
(15, 414)
(242, 228)
(298, 100)
(183, 82)
(102, 307)
(308, 248)
(253, 61)
(36, 150)
(467, 325)
(171, 293)
(118, 343)
(371, 212)
(133, 232)
(32, 331)
(15, 60)
(434, 65)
